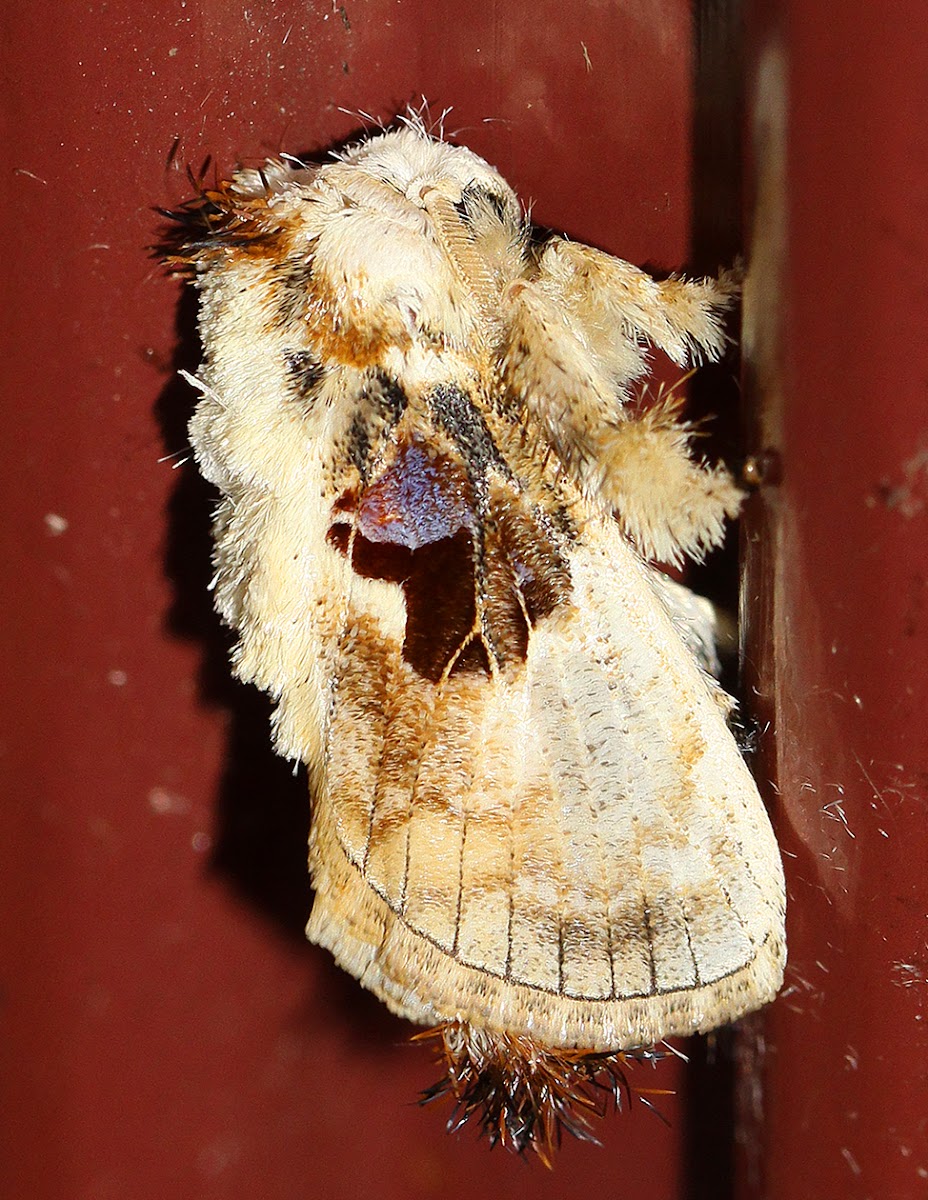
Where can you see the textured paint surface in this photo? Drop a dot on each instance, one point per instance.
(167, 1032)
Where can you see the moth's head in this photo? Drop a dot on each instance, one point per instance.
(414, 163)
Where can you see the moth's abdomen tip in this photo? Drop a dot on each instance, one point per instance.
(523, 1095)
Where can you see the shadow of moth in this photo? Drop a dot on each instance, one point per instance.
(532, 828)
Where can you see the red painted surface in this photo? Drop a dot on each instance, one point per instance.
(167, 1032)
(837, 1101)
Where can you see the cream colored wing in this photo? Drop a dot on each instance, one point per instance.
(529, 812)
(570, 848)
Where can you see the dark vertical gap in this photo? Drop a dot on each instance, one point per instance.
(714, 398)
(717, 243)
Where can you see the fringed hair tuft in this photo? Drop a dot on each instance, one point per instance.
(233, 215)
(525, 1096)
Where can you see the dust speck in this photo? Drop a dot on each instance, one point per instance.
(55, 524)
(161, 801)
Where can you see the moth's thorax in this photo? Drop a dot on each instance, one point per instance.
(412, 164)
(403, 242)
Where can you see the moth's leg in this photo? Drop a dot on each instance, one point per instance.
(639, 467)
(548, 373)
(619, 307)
(668, 503)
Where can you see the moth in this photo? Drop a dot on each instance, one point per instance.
(444, 489)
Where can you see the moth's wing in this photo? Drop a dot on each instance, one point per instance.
(700, 624)
(571, 848)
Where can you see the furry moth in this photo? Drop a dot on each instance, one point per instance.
(442, 499)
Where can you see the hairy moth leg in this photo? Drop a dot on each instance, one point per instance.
(671, 505)
(616, 306)
(550, 375)
(668, 503)
(578, 338)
